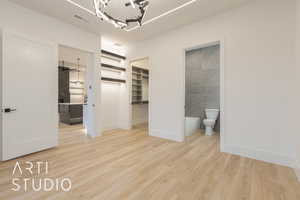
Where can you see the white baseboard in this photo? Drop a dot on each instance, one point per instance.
(261, 155)
(168, 135)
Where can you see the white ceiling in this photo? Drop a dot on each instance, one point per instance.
(65, 11)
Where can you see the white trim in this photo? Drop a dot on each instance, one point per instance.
(221, 42)
(81, 7)
(162, 15)
(261, 155)
(168, 135)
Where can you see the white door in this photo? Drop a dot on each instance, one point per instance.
(29, 96)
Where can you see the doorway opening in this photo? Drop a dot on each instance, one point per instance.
(72, 94)
(204, 110)
(140, 93)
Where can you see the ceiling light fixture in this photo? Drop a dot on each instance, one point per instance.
(131, 20)
(100, 6)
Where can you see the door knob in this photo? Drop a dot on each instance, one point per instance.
(8, 110)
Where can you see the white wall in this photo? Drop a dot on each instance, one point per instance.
(110, 105)
(29, 23)
(260, 79)
(113, 47)
(298, 74)
(114, 96)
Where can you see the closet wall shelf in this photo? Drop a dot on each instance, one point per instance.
(76, 70)
(113, 54)
(70, 65)
(113, 80)
(111, 58)
(136, 102)
(113, 67)
(81, 82)
(77, 94)
(140, 102)
(140, 70)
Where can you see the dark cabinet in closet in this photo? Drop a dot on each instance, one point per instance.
(63, 85)
(71, 113)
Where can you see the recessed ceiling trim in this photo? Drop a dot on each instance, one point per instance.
(163, 15)
(81, 7)
(146, 22)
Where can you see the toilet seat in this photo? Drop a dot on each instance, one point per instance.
(209, 121)
(212, 116)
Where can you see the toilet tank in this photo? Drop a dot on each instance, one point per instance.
(212, 113)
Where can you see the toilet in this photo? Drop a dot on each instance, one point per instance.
(210, 121)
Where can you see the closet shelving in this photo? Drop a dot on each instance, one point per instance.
(77, 94)
(138, 74)
(77, 88)
(77, 82)
(72, 66)
(113, 58)
(74, 84)
(107, 66)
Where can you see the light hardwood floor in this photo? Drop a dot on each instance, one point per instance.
(132, 165)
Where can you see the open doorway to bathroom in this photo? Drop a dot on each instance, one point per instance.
(140, 93)
(203, 90)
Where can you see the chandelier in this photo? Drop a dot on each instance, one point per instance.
(141, 5)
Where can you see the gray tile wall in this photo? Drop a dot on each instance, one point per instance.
(202, 82)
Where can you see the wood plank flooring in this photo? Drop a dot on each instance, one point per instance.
(131, 165)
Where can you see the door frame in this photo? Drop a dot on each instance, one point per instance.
(95, 129)
(209, 43)
(91, 67)
(149, 91)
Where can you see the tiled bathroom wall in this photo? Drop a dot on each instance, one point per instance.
(202, 82)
